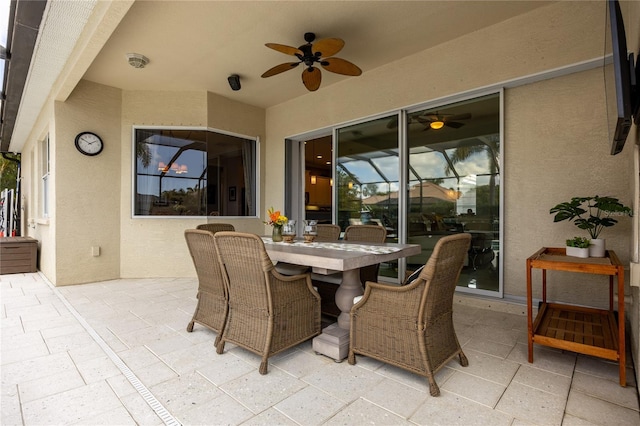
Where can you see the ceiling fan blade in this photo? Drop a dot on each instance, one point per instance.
(311, 77)
(340, 66)
(327, 47)
(453, 124)
(284, 49)
(280, 68)
(465, 116)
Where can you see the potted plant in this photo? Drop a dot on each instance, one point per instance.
(592, 214)
(578, 247)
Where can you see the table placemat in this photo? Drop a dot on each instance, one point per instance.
(338, 246)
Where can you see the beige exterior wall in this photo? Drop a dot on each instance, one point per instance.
(34, 224)
(557, 148)
(87, 201)
(631, 14)
(155, 247)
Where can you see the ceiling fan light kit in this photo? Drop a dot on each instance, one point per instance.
(311, 54)
(437, 121)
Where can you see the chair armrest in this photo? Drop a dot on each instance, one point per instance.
(296, 284)
(385, 297)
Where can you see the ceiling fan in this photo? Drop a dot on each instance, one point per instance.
(438, 121)
(310, 54)
(433, 121)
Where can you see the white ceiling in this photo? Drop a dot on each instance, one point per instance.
(195, 46)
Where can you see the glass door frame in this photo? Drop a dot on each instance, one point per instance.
(294, 182)
(443, 102)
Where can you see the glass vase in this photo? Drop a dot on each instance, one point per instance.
(289, 231)
(276, 234)
(310, 230)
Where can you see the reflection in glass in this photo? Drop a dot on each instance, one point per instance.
(367, 176)
(454, 184)
(193, 173)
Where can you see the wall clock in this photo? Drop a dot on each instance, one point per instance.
(89, 143)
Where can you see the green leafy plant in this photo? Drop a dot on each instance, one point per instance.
(580, 242)
(591, 213)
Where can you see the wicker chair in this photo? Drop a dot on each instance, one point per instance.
(211, 310)
(411, 327)
(328, 233)
(366, 234)
(268, 312)
(216, 227)
(328, 285)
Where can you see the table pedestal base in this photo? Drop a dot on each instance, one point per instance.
(333, 342)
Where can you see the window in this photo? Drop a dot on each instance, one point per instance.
(454, 184)
(182, 172)
(45, 173)
(368, 178)
(423, 174)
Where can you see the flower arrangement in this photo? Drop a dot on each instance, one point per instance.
(275, 218)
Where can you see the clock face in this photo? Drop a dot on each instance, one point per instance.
(89, 143)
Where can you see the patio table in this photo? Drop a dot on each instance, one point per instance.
(330, 257)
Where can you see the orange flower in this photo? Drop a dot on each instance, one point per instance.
(275, 218)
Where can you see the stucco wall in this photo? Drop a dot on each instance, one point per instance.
(86, 186)
(155, 247)
(631, 15)
(556, 148)
(34, 224)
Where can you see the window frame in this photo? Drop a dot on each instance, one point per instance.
(45, 176)
(405, 174)
(256, 197)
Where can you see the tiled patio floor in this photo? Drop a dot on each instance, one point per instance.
(54, 370)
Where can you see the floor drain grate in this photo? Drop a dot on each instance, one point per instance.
(155, 405)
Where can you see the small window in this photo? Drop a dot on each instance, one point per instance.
(183, 172)
(45, 174)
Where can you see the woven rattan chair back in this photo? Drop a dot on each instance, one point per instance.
(216, 227)
(268, 312)
(211, 309)
(366, 234)
(328, 233)
(411, 327)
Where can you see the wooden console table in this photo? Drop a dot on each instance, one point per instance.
(579, 329)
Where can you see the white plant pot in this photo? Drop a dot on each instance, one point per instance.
(597, 248)
(577, 252)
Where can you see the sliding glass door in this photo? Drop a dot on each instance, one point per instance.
(422, 173)
(367, 179)
(454, 184)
